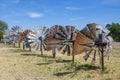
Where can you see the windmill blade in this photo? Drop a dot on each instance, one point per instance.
(80, 39)
(49, 41)
(110, 39)
(49, 33)
(87, 32)
(37, 47)
(67, 49)
(58, 32)
(60, 47)
(106, 31)
(64, 49)
(34, 45)
(44, 30)
(92, 28)
(72, 28)
(57, 28)
(68, 29)
(88, 44)
(16, 29)
(59, 36)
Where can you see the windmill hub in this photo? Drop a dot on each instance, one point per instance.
(40, 38)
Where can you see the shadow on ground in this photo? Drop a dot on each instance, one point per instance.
(19, 50)
(44, 63)
(63, 61)
(76, 69)
(87, 67)
(38, 55)
(62, 73)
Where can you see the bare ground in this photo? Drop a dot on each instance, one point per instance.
(18, 64)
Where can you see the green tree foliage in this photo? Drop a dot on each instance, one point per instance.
(3, 27)
(114, 31)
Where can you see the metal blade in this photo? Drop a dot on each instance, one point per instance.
(87, 32)
(44, 30)
(37, 48)
(60, 47)
(49, 41)
(72, 28)
(80, 39)
(64, 50)
(34, 45)
(68, 29)
(92, 28)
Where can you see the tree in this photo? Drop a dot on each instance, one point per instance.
(114, 31)
(3, 27)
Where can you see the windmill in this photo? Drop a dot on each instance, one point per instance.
(24, 39)
(92, 38)
(16, 34)
(7, 38)
(36, 38)
(61, 38)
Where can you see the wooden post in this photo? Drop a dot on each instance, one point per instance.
(19, 44)
(30, 48)
(23, 47)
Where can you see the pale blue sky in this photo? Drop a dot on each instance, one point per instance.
(32, 13)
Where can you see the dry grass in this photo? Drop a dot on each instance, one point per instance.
(17, 64)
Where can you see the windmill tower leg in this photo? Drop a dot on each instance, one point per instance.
(73, 57)
(30, 48)
(19, 44)
(102, 52)
(54, 53)
(14, 44)
(23, 47)
(41, 52)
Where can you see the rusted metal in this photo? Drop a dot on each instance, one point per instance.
(80, 39)
(49, 45)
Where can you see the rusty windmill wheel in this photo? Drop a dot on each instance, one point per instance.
(62, 38)
(93, 38)
(23, 37)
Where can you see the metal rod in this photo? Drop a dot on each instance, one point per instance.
(102, 52)
(73, 58)
(23, 47)
(30, 48)
(54, 53)
(14, 44)
(19, 44)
